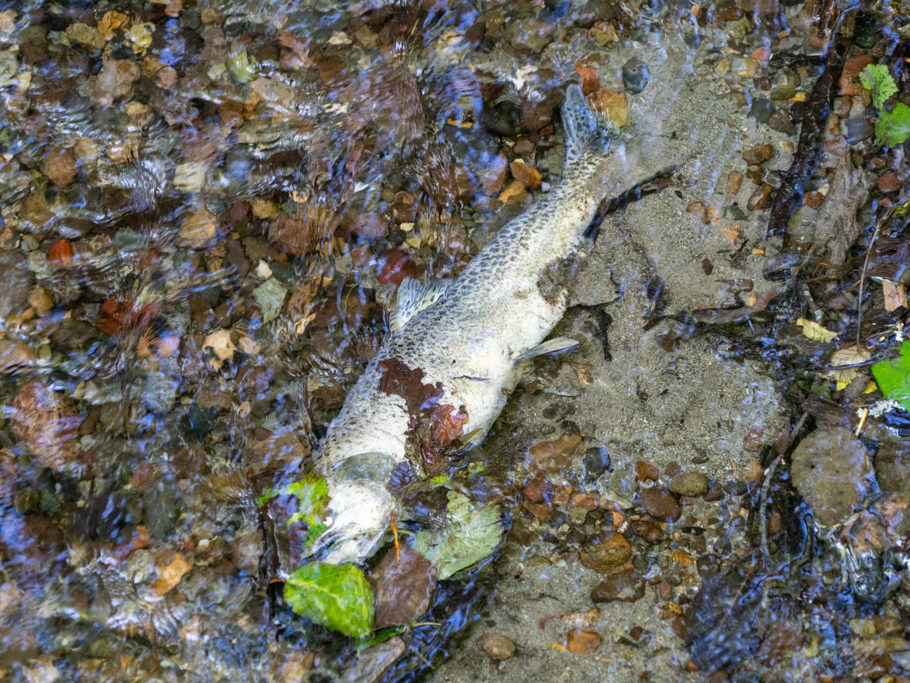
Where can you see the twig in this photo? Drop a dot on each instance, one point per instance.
(862, 277)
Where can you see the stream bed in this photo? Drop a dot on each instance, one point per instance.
(207, 209)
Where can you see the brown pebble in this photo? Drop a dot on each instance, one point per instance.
(715, 493)
(612, 104)
(689, 484)
(645, 471)
(523, 147)
(60, 166)
(758, 155)
(660, 503)
(647, 530)
(624, 585)
(16, 355)
(525, 174)
(607, 556)
(665, 591)
(47, 423)
(497, 647)
(538, 489)
(889, 182)
(672, 468)
(760, 199)
(678, 626)
(515, 193)
(754, 472)
(540, 510)
(813, 199)
(494, 178)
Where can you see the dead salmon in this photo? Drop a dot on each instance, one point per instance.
(456, 348)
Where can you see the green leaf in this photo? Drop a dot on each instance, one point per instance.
(311, 492)
(893, 127)
(875, 77)
(470, 535)
(893, 376)
(336, 596)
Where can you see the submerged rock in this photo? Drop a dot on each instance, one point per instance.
(831, 471)
(497, 647)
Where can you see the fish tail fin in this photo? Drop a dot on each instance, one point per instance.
(582, 128)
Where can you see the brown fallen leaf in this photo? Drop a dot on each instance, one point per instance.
(583, 642)
(403, 585)
(170, 570)
(61, 253)
(895, 295)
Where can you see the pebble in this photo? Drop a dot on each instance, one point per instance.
(596, 461)
(47, 423)
(523, 147)
(647, 530)
(645, 471)
(198, 229)
(889, 182)
(831, 471)
(515, 193)
(624, 585)
(40, 299)
(494, 179)
(760, 199)
(497, 647)
(785, 84)
(16, 355)
(858, 128)
(758, 155)
(660, 503)
(612, 104)
(17, 282)
(635, 75)
(761, 109)
(689, 484)
(60, 166)
(525, 174)
(607, 556)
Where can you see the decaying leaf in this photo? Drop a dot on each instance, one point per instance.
(270, 296)
(895, 295)
(470, 535)
(583, 642)
(848, 356)
(812, 330)
(170, 570)
(220, 346)
(336, 596)
(403, 583)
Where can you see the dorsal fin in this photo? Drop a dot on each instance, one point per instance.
(413, 297)
(578, 121)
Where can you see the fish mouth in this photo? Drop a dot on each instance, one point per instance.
(357, 517)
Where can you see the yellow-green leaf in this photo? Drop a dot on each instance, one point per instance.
(336, 596)
(814, 331)
(470, 535)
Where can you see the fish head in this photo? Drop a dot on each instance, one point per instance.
(359, 510)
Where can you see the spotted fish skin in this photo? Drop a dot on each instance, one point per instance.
(467, 337)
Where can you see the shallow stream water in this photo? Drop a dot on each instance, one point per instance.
(207, 208)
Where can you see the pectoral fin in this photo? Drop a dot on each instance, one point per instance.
(413, 297)
(554, 345)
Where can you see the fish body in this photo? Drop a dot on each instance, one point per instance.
(456, 347)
